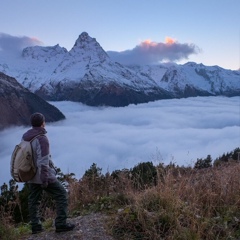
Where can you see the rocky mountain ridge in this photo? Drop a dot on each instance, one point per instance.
(18, 103)
(193, 79)
(87, 74)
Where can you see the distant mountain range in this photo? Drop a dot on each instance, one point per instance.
(87, 74)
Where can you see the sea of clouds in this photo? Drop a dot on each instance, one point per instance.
(177, 130)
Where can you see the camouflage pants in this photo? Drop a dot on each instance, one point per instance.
(57, 192)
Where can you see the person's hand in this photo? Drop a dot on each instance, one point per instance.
(44, 185)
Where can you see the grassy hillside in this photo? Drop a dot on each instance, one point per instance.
(145, 202)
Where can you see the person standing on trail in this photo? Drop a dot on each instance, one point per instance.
(45, 178)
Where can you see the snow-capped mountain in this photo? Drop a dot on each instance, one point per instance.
(193, 79)
(87, 74)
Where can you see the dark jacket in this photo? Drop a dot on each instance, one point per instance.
(46, 172)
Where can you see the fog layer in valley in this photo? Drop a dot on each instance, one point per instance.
(177, 130)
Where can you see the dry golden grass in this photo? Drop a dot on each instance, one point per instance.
(200, 204)
(183, 203)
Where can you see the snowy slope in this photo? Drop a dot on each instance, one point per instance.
(209, 80)
(50, 65)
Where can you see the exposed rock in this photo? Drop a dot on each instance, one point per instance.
(111, 94)
(17, 104)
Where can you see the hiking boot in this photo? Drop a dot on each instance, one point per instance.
(37, 229)
(65, 228)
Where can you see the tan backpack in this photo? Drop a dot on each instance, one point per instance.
(22, 166)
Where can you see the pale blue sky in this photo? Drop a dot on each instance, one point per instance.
(213, 26)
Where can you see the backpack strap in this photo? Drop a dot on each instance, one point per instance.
(41, 134)
(34, 139)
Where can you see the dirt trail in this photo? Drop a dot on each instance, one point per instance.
(89, 227)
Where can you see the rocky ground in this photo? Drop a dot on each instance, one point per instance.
(89, 227)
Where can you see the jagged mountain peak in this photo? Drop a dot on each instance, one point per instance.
(84, 40)
(192, 64)
(84, 37)
(89, 47)
(38, 52)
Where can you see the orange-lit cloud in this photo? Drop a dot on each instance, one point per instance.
(150, 52)
(9, 43)
(169, 40)
(147, 43)
(35, 40)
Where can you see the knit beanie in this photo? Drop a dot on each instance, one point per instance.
(37, 119)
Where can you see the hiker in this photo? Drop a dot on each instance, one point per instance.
(45, 178)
